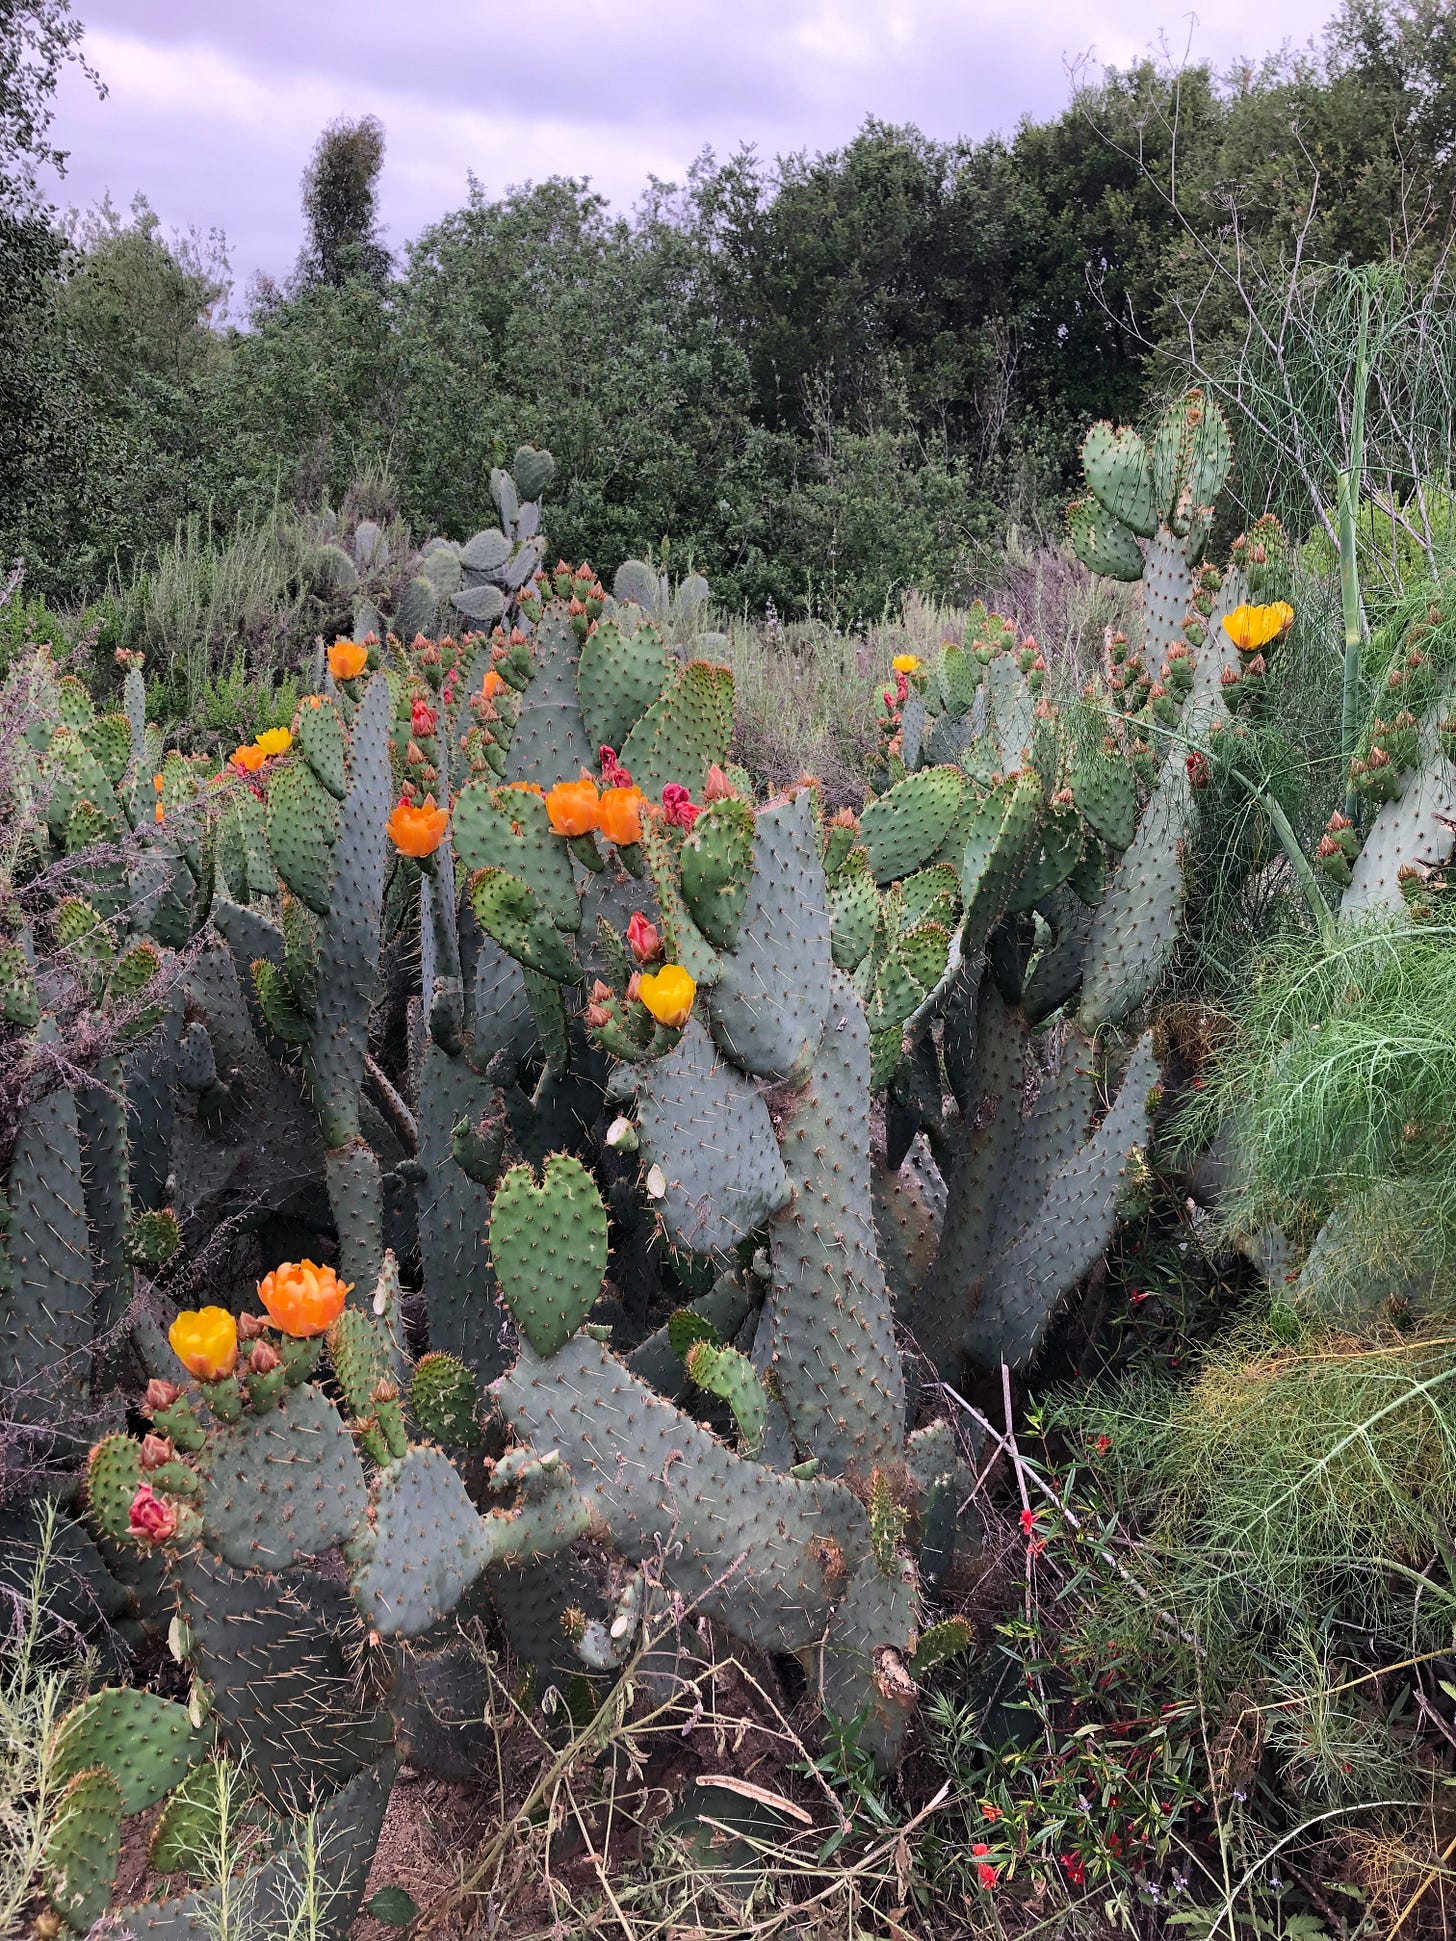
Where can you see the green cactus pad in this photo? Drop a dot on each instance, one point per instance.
(1116, 466)
(276, 1003)
(909, 970)
(108, 739)
(1414, 828)
(428, 1546)
(1056, 974)
(948, 1639)
(509, 829)
(283, 1486)
(278, 1656)
(452, 1211)
(113, 1476)
(1051, 1136)
(715, 863)
(550, 744)
(74, 700)
(83, 1849)
(930, 896)
(303, 823)
(188, 1832)
(864, 1664)
(1103, 790)
(418, 610)
(1136, 927)
(445, 1400)
(1051, 859)
(854, 914)
(1102, 543)
(767, 1009)
(717, 1316)
(711, 1134)
(656, 1478)
(723, 1372)
(1167, 588)
(349, 942)
(549, 1245)
(682, 733)
(533, 470)
(318, 730)
(682, 940)
(478, 1148)
(510, 911)
(1000, 840)
(19, 1001)
(834, 1356)
(990, 1127)
(146, 1743)
(1070, 1230)
(619, 678)
(902, 830)
(153, 1238)
(45, 1298)
(360, 1357)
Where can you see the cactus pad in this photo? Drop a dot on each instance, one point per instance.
(283, 1486)
(445, 1400)
(83, 1849)
(619, 678)
(303, 823)
(715, 862)
(428, 1545)
(767, 1009)
(549, 1245)
(319, 732)
(711, 1133)
(902, 830)
(509, 829)
(685, 731)
(146, 1743)
(510, 911)
(1117, 470)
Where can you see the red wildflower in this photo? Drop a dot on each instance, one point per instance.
(1076, 1872)
(1028, 1522)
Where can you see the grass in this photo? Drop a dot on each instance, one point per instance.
(37, 1689)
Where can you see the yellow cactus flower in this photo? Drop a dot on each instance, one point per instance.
(205, 1341)
(906, 663)
(275, 741)
(1251, 628)
(668, 994)
(347, 660)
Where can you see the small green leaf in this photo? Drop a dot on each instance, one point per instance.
(393, 1906)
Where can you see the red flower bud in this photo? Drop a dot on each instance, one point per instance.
(642, 939)
(159, 1395)
(156, 1450)
(678, 806)
(422, 717)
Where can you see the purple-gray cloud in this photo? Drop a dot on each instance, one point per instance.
(213, 108)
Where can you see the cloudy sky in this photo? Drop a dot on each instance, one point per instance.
(214, 105)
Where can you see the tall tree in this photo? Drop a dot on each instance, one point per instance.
(341, 206)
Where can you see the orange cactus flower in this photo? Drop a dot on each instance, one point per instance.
(620, 815)
(574, 807)
(205, 1341)
(249, 759)
(303, 1299)
(906, 663)
(275, 741)
(668, 994)
(417, 832)
(492, 684)
(347, 660)
(531, 788)
(1251, 628)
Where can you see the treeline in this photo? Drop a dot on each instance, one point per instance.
(825, 378)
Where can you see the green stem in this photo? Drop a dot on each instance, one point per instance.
(1299, 862)
(1349, 500)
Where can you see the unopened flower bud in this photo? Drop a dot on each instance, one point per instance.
(156, 1450)
(159, 1395)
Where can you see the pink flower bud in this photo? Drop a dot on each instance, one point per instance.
(151, 1517)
